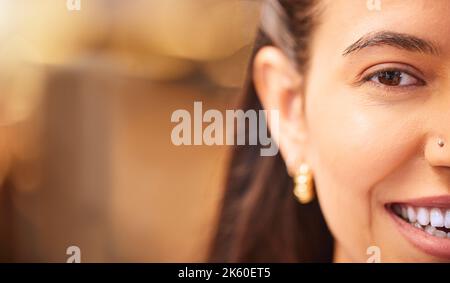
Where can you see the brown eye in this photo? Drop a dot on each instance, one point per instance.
(390, 78)
(394, 78)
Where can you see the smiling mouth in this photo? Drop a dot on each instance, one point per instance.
(425, 223)
(433, 220)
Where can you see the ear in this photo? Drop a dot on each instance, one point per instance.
(279, 87)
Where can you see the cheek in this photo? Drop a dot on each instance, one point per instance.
(357, 145)
(353, 146)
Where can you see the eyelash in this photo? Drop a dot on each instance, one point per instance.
(368, 79)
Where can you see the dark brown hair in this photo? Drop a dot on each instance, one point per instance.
(260, 219)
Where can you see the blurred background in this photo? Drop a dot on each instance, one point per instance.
(86, 98)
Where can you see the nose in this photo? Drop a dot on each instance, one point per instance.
(437, 147)
(437, 143)
(437, 150)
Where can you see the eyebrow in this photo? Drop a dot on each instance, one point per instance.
(398, 40)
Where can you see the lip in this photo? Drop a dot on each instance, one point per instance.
(439, 201)
(432, 245)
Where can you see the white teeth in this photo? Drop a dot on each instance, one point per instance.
(430, 229)
(411, 214)
(440, 234)
(447, 219)
(426, 219)
(436, 217)
(423, 216)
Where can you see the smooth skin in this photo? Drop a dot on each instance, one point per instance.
(369, 141)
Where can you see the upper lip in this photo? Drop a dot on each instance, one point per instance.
(435, 201)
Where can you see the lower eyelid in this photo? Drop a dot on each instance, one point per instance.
(398, 89)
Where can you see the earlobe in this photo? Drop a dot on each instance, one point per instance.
(279, 87)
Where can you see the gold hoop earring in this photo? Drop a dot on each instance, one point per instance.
(304, 184)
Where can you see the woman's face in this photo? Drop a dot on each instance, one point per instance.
(375, 111)
(377, 101)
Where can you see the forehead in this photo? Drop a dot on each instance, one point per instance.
(345, 21)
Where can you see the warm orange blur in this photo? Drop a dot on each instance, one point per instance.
(85, 104)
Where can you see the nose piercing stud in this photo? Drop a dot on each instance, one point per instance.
(441, 143)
